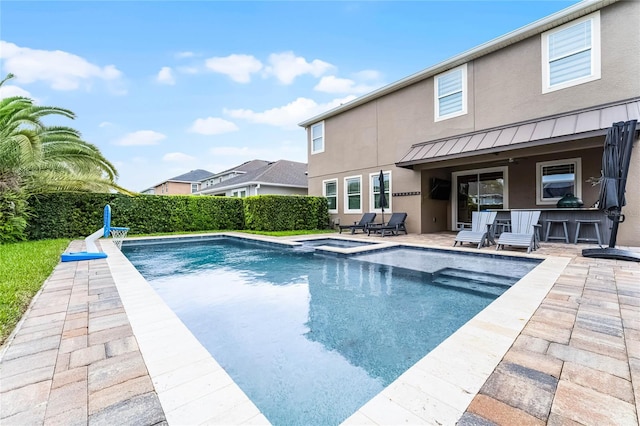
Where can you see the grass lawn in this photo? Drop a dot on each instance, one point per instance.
(24, 268)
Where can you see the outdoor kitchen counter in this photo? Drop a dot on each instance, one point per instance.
(571, 214)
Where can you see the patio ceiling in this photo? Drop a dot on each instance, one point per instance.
(571, 126)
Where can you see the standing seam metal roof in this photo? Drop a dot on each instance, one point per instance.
(559, 128)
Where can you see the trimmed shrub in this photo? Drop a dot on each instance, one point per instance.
(285, 212)
(76, 215)
(13, 216)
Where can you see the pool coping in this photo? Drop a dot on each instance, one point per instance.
(193, 387)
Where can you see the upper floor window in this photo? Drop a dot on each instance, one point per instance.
(353, 194)
(375, 191)
(330, 191)
(571, 54)
(555, 179)
(451, 93)
(317, 138)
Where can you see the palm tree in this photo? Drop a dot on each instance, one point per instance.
(37, 158)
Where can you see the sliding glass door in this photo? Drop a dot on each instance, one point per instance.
(478, 190)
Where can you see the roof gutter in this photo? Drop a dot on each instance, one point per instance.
(572, 12)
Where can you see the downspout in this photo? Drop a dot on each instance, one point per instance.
(257, 188)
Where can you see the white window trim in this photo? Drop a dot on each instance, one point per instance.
(324, 193)
(346, 195)
(371, 195)
(553, 201)
(236, 192)
(436, 99)
(311, 138)
(454, 188)
(595, 55)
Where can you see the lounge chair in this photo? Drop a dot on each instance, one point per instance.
(364, 223)
(522, 231)
(394, 226)
(481, 232)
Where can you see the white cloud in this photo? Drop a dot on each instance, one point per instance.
(212, 126)
(61, 70)
(141, 137)
(238, 67)
(10, 91)
(333, 84)
(177, 157)
(105, 124)
(165, 76)
(368, 75)
(286, 66)
(181, 55)
(287, 116)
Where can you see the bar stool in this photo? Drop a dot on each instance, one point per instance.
(595, 223)
(502, 225)
(550, 223)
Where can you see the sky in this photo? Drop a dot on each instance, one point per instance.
(165, 87)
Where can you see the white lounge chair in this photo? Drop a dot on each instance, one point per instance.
(522, 231)
(480, 232)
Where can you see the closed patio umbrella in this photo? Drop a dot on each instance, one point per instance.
(616, 159)
(383, 197)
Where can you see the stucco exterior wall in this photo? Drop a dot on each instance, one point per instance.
(174, 188)
(503, 87)
(629, 230)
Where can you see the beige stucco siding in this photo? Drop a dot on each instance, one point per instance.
(174, 188)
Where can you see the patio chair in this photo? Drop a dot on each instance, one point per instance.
(523, 231)
(364, 223)
(394, 226)
(481, 230)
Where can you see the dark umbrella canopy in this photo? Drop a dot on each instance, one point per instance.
(611, 169)
(383, 197)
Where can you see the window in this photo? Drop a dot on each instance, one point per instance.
(317, 138)
(571, 54)
(352, 194)
(375, 191)
(194, 187)
(451, 93)
(557, 178)
(330, 191)
(239, 193)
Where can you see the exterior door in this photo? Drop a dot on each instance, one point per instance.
(478, 190)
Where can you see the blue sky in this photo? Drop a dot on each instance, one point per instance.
(166, 87)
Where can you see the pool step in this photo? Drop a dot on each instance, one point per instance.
(490, 284)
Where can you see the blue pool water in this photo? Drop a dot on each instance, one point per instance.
(311, 338)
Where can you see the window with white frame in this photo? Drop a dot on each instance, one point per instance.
(317, 138)
(375, 192)
(571, 54)
(555, 179)
(353, 194)
(330, 191)
(239, 192)
(450, 95)
(194, 187)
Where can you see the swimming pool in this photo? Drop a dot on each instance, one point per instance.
(332, 362)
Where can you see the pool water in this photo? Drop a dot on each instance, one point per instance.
(309, 338)
(334, 242)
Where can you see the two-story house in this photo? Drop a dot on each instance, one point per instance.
(184, 184)
(515, 123)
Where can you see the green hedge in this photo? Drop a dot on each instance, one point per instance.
(75, 215)
(285, 212)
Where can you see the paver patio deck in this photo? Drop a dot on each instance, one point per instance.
(74, 357)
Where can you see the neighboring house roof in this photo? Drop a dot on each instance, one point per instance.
(573, 12)
(244, 167)
(192, 176)
(278, 173)
(580, 124)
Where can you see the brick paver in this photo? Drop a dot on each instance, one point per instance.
(74, 358)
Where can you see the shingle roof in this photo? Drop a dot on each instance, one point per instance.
(192, 176)
(244, 167)
(278, 173)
